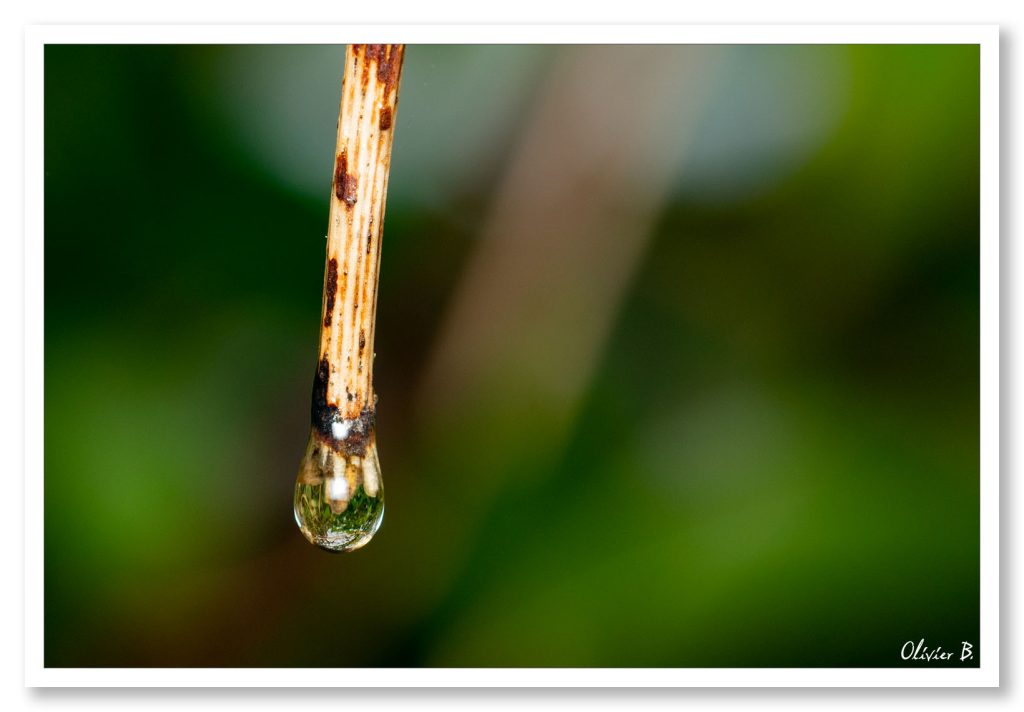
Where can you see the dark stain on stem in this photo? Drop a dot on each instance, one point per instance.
(322, 413)
(388, 58)
(330, 290)
(345, 183)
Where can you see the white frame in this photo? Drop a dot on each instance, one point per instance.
(987, 36)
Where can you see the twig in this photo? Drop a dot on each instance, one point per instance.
(339, 497)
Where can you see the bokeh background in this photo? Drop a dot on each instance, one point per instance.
(677, 357)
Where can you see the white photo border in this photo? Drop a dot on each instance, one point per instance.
(987, 675)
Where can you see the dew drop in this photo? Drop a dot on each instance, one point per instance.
(339, 499)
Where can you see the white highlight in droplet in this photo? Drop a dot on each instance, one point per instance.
(337, 489)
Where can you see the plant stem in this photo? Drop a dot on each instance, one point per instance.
(362, 164)
(342, 444)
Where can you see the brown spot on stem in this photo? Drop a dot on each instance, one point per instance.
(389, 65)
(330, 290)
(385, 118)
(362, 340)
(345, 183)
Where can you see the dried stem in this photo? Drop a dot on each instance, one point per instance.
(343, 410)
(362, 163)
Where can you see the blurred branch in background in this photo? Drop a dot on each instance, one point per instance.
(565, 232)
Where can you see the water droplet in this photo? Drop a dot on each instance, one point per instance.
(339, 498)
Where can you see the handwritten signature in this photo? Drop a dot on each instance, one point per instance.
(919, 651)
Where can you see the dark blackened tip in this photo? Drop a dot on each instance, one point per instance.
(385, 118)
(322, 414)
(360, 433)
(345, 183)
(330, 290)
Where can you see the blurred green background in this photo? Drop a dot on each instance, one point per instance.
(677, 357)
